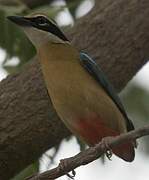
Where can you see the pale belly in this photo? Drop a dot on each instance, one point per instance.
(85, 108)
(79, 100)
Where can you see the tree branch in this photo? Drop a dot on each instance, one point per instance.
(115, 33)
(89, 155)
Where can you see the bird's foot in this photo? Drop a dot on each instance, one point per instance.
(105, 142)
(63, 166)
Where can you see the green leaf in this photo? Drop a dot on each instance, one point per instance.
(32, 169)
(14, 41)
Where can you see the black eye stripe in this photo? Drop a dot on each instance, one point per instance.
(40, 20)
(44, 24)
(55, 30)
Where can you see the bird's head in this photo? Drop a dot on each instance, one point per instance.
(40, 29)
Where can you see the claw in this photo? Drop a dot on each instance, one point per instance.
(105, 141)
(109, 154)
(63, 165)
(73, 174)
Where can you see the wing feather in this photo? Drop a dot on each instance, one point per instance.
(91, 66)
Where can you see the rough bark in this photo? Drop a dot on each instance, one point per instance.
(115, 33)
(36, 3)
(29, 3)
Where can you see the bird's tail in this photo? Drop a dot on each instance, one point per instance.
(125, 151)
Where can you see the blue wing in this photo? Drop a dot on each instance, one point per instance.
(91, 66)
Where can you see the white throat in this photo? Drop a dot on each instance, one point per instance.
(39, 37)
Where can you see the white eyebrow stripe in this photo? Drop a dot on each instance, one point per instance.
(53, 22)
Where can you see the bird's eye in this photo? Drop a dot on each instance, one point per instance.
(41, 21)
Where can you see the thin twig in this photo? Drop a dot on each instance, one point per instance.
(69, 164)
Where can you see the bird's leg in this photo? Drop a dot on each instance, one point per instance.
(105, 142)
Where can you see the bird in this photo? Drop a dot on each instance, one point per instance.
(80, 92)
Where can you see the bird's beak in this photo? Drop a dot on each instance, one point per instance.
(20, 20)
